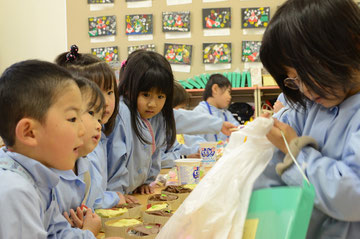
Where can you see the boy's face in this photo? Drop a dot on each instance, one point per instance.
(92, 124)
(223, 98)
(150, 103)
(60, 137)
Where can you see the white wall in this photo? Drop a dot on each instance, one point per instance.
(31, 29)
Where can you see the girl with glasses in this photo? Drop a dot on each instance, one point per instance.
(312, 49)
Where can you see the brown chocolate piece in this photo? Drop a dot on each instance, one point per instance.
(160, 213)
(144, 230)
(162, 197)
(128, 205)
(177, 189)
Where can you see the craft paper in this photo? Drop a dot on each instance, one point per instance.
(101, 7)
(178, 53)
(216, 53)
(148, 47)
(102, 26)
(138, 3)
(178, 2)
(139, 24)
(177, 35)
(180, 68)
(250, 51)
(176, 21)
(216, 18)
(255, 17)
(217, 67)
(108, 54)
(217, 32)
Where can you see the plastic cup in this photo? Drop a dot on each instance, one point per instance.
(188, 170)
(208, 153)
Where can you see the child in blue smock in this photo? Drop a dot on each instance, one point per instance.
(217, 97)
(98, 71)
(145, 122)
(41, 127)
(315, 59)
(82, 185)
(185, 145)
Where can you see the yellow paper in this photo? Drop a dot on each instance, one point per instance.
(250, 228)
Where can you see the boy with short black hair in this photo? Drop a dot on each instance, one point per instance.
(40, 124)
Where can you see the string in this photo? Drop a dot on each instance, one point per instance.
(293, 158)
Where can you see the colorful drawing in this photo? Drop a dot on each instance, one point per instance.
(178, 53)
(176, 21)
(100, 1)
(255, 17)
(250, 51)
(148, 47)
(102, 26)
(216, 53)
(216, 18)
(139, 24)
(108, 54)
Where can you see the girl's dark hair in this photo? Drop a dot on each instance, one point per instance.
(218, 79)
(319, 39)
(180, 95)
(28, 89)
(97, 100)
(94, 69)
(143, 71)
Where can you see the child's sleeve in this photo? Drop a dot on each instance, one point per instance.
(231, 118)
(191, 122)
(117, 157)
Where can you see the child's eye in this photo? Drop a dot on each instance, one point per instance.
(161, 96)
(91, 113)
(110, 92)
(73, 120)
(100, 121)
(146, 94)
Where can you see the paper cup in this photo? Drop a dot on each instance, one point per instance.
(208, 153)
(188, 170)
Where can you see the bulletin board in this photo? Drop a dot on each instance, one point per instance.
(79, 13)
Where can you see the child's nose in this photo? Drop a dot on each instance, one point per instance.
(81, 129)
(152, 103)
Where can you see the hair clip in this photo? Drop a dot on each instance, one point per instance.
(123, 63)
(71, 56)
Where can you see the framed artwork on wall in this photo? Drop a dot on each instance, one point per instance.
(102, 26)
(216, 18)
(139, 24)
(176, 21)
(250, 51)
(178, 53)
(108, 54)
(257, 17)
(216, 53)
(100, 1)
(148, 47)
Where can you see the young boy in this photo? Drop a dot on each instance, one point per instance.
(217, 98)
(39, 122)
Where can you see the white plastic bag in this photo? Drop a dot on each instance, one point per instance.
(217, 207)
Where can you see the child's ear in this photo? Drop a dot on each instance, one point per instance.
(215, 89)
(25, 131)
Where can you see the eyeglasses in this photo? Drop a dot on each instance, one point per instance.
(293, 83)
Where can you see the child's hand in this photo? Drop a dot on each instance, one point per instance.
(131, 199)
(226, 128)
(75, 219)
(275, 137)
(92, 222)
(145, 189)
(277, 106)
(122, 198)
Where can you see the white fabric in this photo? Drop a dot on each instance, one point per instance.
(217, 207)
